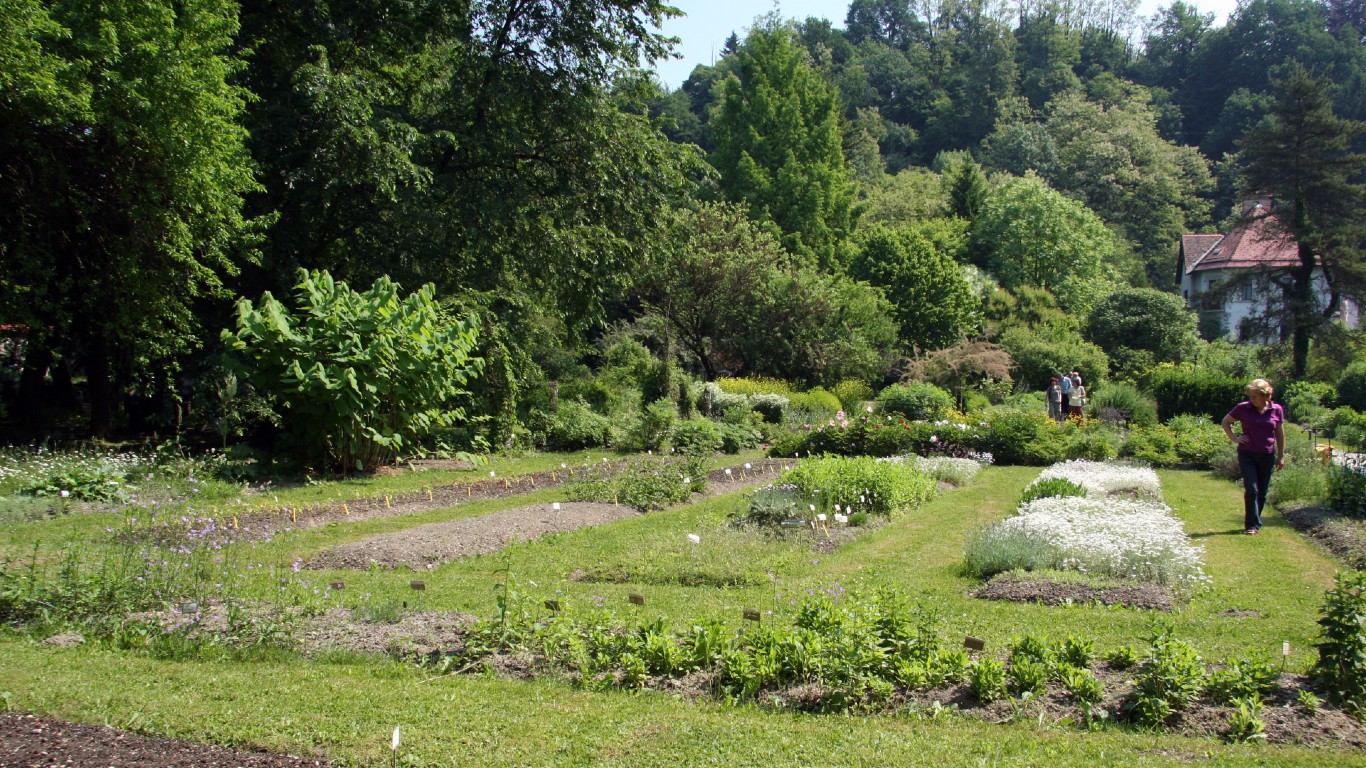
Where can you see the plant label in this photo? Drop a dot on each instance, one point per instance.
(974, 643)
(418, 586)
(751, 614)
(338, 585)
(636, 599)
(553, 605)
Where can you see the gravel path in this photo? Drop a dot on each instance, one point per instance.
(428, 546)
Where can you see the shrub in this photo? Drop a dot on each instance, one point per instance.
(770, 406)
(852, 393)
(1022, 437)
(1347, 491)
(1093, 442)
(697, 437)
(1052, 486)
(773, 504)
(868, 485)
(987, 679)
(1342, 649)
(643, 483)
(1249, 678)
(916, 401)
(1198, 439)
(365, 375)
(576, 426)
(1122, 403)
(1307, 402)
(736, 437)
(1189, 390)
(816, 404)
(1352, 386)
(651, 431)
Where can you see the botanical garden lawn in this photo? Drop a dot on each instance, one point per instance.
(1265, 589)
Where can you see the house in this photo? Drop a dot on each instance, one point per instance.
(1231, 279)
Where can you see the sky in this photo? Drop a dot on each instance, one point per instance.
(709, 22)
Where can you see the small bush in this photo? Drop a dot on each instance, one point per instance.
(1347, 491)
(644, 484)
(916, 401)
(1169, 681)
(1307, 401)
(987, 679)
(700, 437)
(770, 406)
(1022, 437)
(866, 485)
(755, 385)
(817, 404)
(1053, 486)
(1249, 678)
(1352, 386)
(1341, 666)
(852, 393)
(1122, 403)
(575, 426)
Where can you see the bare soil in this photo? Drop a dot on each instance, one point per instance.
(27, 741)
(1341, 535)
(427, 546)
(1040, 590)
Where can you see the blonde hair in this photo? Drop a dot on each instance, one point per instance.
(1259, 385)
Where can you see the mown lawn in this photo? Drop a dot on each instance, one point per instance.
(1266, 589)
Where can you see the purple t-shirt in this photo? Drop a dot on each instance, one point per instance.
(1260, 428)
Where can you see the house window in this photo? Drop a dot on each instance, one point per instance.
(1213, 285)
(1246, 292)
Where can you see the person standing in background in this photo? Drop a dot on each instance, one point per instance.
(1054, 400)
(1065, 384)
(1260, 447)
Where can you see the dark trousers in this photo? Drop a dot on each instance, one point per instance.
(1256, 469)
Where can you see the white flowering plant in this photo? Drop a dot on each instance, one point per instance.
(1101, 534)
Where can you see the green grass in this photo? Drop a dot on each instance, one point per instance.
(347, 708)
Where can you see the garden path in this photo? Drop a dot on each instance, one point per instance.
(427, 546)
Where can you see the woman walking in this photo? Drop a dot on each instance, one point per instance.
(1260, 447)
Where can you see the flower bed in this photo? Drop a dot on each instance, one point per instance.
(1103, 478)
(1139, 539)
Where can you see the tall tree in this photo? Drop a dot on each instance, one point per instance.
(1034, 236)
(1302, 156)
(124, 175)
(778, 147)
(930, 297)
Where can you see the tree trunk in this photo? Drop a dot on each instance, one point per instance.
(37, 359)
(101, 386)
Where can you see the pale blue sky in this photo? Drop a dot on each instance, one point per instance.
(708, 22)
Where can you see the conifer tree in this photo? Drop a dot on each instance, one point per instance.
(779, 147)
(1302, 156)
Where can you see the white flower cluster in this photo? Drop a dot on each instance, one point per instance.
(1102, 479)
(1104, 535)
(960, 472)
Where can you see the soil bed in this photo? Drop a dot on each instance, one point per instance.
(1343, 536)
(428, 546)
(1023, 589)
(27, 741)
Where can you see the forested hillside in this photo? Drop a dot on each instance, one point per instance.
(822, 205)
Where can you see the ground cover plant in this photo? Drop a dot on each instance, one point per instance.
(898, 580)
(1119, 528)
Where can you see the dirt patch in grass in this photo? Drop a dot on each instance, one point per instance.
(1341, 535)
(428, 546)
(29, 741)
(1024, 589)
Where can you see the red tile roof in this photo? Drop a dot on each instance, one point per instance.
(1259, 242)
